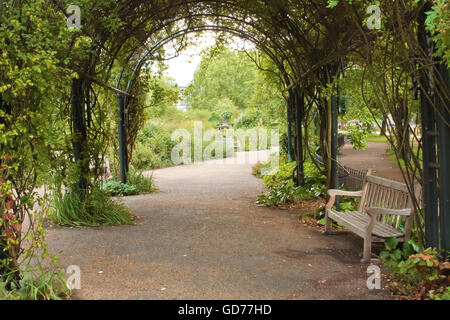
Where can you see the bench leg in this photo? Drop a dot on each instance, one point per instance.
(327, 224)
(367, 253)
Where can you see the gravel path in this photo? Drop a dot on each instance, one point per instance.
(203, 237)
(374, 157)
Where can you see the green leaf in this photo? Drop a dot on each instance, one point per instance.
(414, 245)
(332, 3)
(397, 254)
(384, 255)
(391, 243)
(409, 248)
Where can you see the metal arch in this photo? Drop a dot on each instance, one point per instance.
(122, 98)
(185, 31)
(239, 33)
(280, 50)
(209, 2)
(233, 5)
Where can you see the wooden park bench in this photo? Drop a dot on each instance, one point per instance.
(384, 204)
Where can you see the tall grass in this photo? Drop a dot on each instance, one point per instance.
(137, 183)
(142, 184)
(36, 284)
(94, 208)
(400, 162)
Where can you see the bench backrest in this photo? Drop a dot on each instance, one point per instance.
(385, 193)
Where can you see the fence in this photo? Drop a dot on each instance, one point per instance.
(349, 177)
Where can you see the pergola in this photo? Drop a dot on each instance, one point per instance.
(308, 43)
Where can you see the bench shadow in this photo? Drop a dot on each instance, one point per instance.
(347, 251)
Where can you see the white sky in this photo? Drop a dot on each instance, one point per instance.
(182, 68)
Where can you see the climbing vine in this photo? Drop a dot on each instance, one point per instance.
(59, 87)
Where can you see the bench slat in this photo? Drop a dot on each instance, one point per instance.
(387, 183)
(352, 225)
(357, 222)
(380, 228)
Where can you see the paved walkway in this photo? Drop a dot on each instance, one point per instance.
(203, 237)
(374, 157)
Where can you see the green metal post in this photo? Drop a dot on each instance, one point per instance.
(299, 111)
(429, 134)
(429, 174)
(443, 129)
(122, 139)
(289, 133)
(334, 146)
(334, 134)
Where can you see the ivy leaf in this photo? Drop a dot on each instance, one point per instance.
(332, 3)
(391, 243)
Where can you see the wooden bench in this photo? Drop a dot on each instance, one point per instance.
(384, 206)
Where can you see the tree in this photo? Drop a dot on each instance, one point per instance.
(163, 93)
(224, 75)
(228, 81)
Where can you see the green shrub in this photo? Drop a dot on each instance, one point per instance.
(117, 188)
(282, 189)
(358, 137)
(262, 169)
(141, 183)
(94, 208)
(137, 183)
(416, 274)
(443, 293)
(144, 157)
(348, 206)
(36, 284)
(279, 176)
(394, 254)
(250, 118)
(153, 148)
(258, 167)
(198, 114)
(279, 195)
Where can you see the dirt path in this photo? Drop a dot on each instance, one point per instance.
(203, 237)
(374, 157)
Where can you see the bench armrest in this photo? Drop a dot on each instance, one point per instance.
(374, 211)
(335, 192)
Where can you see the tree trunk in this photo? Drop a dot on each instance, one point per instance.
(383, 128)
(79, 134)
